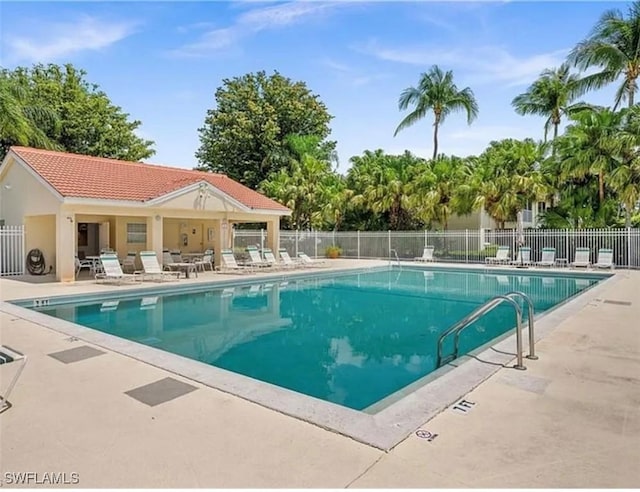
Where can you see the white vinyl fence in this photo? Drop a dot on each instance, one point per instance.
(12, 260)
(468, 246)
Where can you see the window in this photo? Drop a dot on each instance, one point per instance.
(542, 207)
(137, 233)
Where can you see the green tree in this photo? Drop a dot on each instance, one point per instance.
(304, 184)
(85, 122)
(551, 96)
(20, 122)
(507, 176)
(436, 93)
(613, 46)
(244, 136)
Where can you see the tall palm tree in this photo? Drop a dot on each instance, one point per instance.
(551, 96)
(436, 93)
(613, 46)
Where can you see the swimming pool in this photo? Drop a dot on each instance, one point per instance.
(350, 338)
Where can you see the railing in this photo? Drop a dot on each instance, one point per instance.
(12, 256)
(467, 246)
(475, 315)
(395, 254)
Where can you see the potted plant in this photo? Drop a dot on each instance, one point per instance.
(333, 252)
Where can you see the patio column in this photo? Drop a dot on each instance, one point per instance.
(65, 246)
(273, 235)
(155, 235)
(220, 238)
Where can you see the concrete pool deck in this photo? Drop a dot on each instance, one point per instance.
(571, 420)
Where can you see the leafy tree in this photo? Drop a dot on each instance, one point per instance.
(244, 136)
(306, 185)
(552, 96)
(613, 46)
(20, 122)
(507, 176)
(436, 93)
(81, 118)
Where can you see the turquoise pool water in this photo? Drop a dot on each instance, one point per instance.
(350, 338)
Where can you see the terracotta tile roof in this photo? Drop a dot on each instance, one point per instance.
(80, 176)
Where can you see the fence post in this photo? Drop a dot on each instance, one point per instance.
(316, 244)
(466, 245)
(296, 243)
(628, 248)
(567, 252)
(389, 241)
(425, 238)
(358, 236)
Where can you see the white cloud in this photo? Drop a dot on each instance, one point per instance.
(352, 75)
(482, 64)
(52, 41)
(253, 21)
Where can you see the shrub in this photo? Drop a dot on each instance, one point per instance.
(333, 251)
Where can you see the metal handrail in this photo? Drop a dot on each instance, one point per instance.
(396, 255)
(474, 316)
(530, 312)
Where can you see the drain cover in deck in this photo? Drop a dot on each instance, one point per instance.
(161, 391)
(76, 354)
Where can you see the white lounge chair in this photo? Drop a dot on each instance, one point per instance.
(151, 268)
(605, 258)
(548, 257)
(129, 263)
(80, 264)
(228, 263)
(523, 258)
(7, 356)
(112, 270)
(502, 256)
(255, 258)
(427, 254)
(287, 260)
(306, 261)
(270, 258)
(582, 258)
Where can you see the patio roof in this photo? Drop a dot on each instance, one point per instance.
(80, 176)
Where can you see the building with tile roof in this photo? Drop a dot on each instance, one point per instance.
(73, 204)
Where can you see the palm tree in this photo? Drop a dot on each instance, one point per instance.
(614, 47)
(20, 122)
(551, 96)
(591, 146)
(436, 92)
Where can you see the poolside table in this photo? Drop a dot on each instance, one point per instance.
(185, 268)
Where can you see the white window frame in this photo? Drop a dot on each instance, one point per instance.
(136, 233)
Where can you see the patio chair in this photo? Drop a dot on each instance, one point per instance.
(151, 267)
(129, 263)
(306, 261)
(427, 254)
(80, 264)
(228, 263)
(582, 258)
(548, 257)
(605, 258)
(287, 260)
(207, 260)
(502, 256)
(112, 270)
(523, 258)
(7, 356)
(176, 256)
(255, 258)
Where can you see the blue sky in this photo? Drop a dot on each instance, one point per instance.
(162, 62)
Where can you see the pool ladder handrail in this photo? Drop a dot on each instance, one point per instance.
(395, 253)
(491, 304)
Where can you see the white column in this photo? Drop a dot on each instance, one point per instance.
(65, 246)
(155, 234)
(273, 236)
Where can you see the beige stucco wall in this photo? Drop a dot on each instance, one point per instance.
(197, 234)
(461, 222)
(25, 196)
(40, 233)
